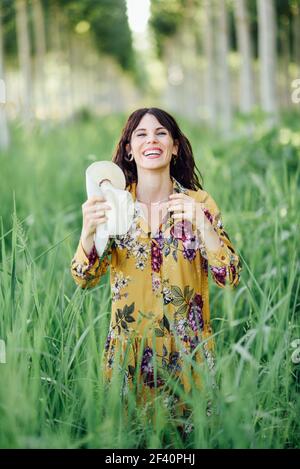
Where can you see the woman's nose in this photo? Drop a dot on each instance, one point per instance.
(152, 138)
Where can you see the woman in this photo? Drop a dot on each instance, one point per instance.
(159, 271)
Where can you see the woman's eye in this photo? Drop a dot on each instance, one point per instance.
(159, 133)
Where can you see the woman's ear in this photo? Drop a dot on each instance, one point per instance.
(128, 148)
(175, 147)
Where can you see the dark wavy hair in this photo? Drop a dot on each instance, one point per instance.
(184, 171)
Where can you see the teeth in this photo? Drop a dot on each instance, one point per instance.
(155, 152)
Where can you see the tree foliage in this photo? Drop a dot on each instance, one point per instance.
(165, 19)
(109, 26)
(107, 19)
(167, 16)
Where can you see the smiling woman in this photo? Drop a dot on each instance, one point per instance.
(160, 321)
(149, 128)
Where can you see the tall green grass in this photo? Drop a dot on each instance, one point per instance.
(52, 393)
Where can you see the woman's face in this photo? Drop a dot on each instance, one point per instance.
(151, 144)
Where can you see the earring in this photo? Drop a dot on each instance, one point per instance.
(174, 159)
(130, 157)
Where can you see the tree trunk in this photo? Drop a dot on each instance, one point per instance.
(55, 40)
(189, 62)
(285, 62)
(190, 88)
(296, 37)
(4, 131)
(40, 50)
(245, 51)
(267, 56)
(224, 87)
(173, 96)
(24, 58)
(209, 73)
(72, 52)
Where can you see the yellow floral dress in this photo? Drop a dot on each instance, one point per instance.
(160, 296)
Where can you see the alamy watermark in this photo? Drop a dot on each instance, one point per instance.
(185, 219)
(296, 93)
(295, 357)
(2, 92)
(2, 352)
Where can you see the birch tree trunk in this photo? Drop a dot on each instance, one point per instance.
(24, 58)
(190, 63)
(285, 62)
(173, 96)
(55, 40)
(4, 131)
(224, 87)
(267, 56)
(40, 50)
(72, 95)
(58, 53)
(209, 72)
(296, 37)
(245, 50)
(190, 87)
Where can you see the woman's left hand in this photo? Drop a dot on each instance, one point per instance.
(185, 207)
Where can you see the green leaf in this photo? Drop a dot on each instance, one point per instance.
(149, 315)
(124, 325)
(188, 297)
(131, 370)
(178, 301)
(182, 309)
(176, 291)
(129, 319)
(167, 252)
(130, 309)
(118, 314)
(166, 323)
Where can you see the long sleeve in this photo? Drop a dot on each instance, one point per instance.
(224, 264)
(87, 270)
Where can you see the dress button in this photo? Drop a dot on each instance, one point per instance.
(222, 257)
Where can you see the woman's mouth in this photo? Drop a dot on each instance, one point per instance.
(151, 154)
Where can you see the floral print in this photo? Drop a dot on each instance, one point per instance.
(147, 369)
(119, 283)
(156, 256)
(195, 317)
(160, 294)
(183, 231)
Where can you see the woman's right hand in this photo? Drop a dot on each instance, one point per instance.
(93, 214)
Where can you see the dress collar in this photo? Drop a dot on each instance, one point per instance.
(177, 187)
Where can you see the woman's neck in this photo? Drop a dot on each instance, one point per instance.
(154, 189)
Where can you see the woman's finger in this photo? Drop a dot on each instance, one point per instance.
(99, 213)
(184, 215)
(101, 207)
(96, 208)
(178, 195)
(180, 206)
